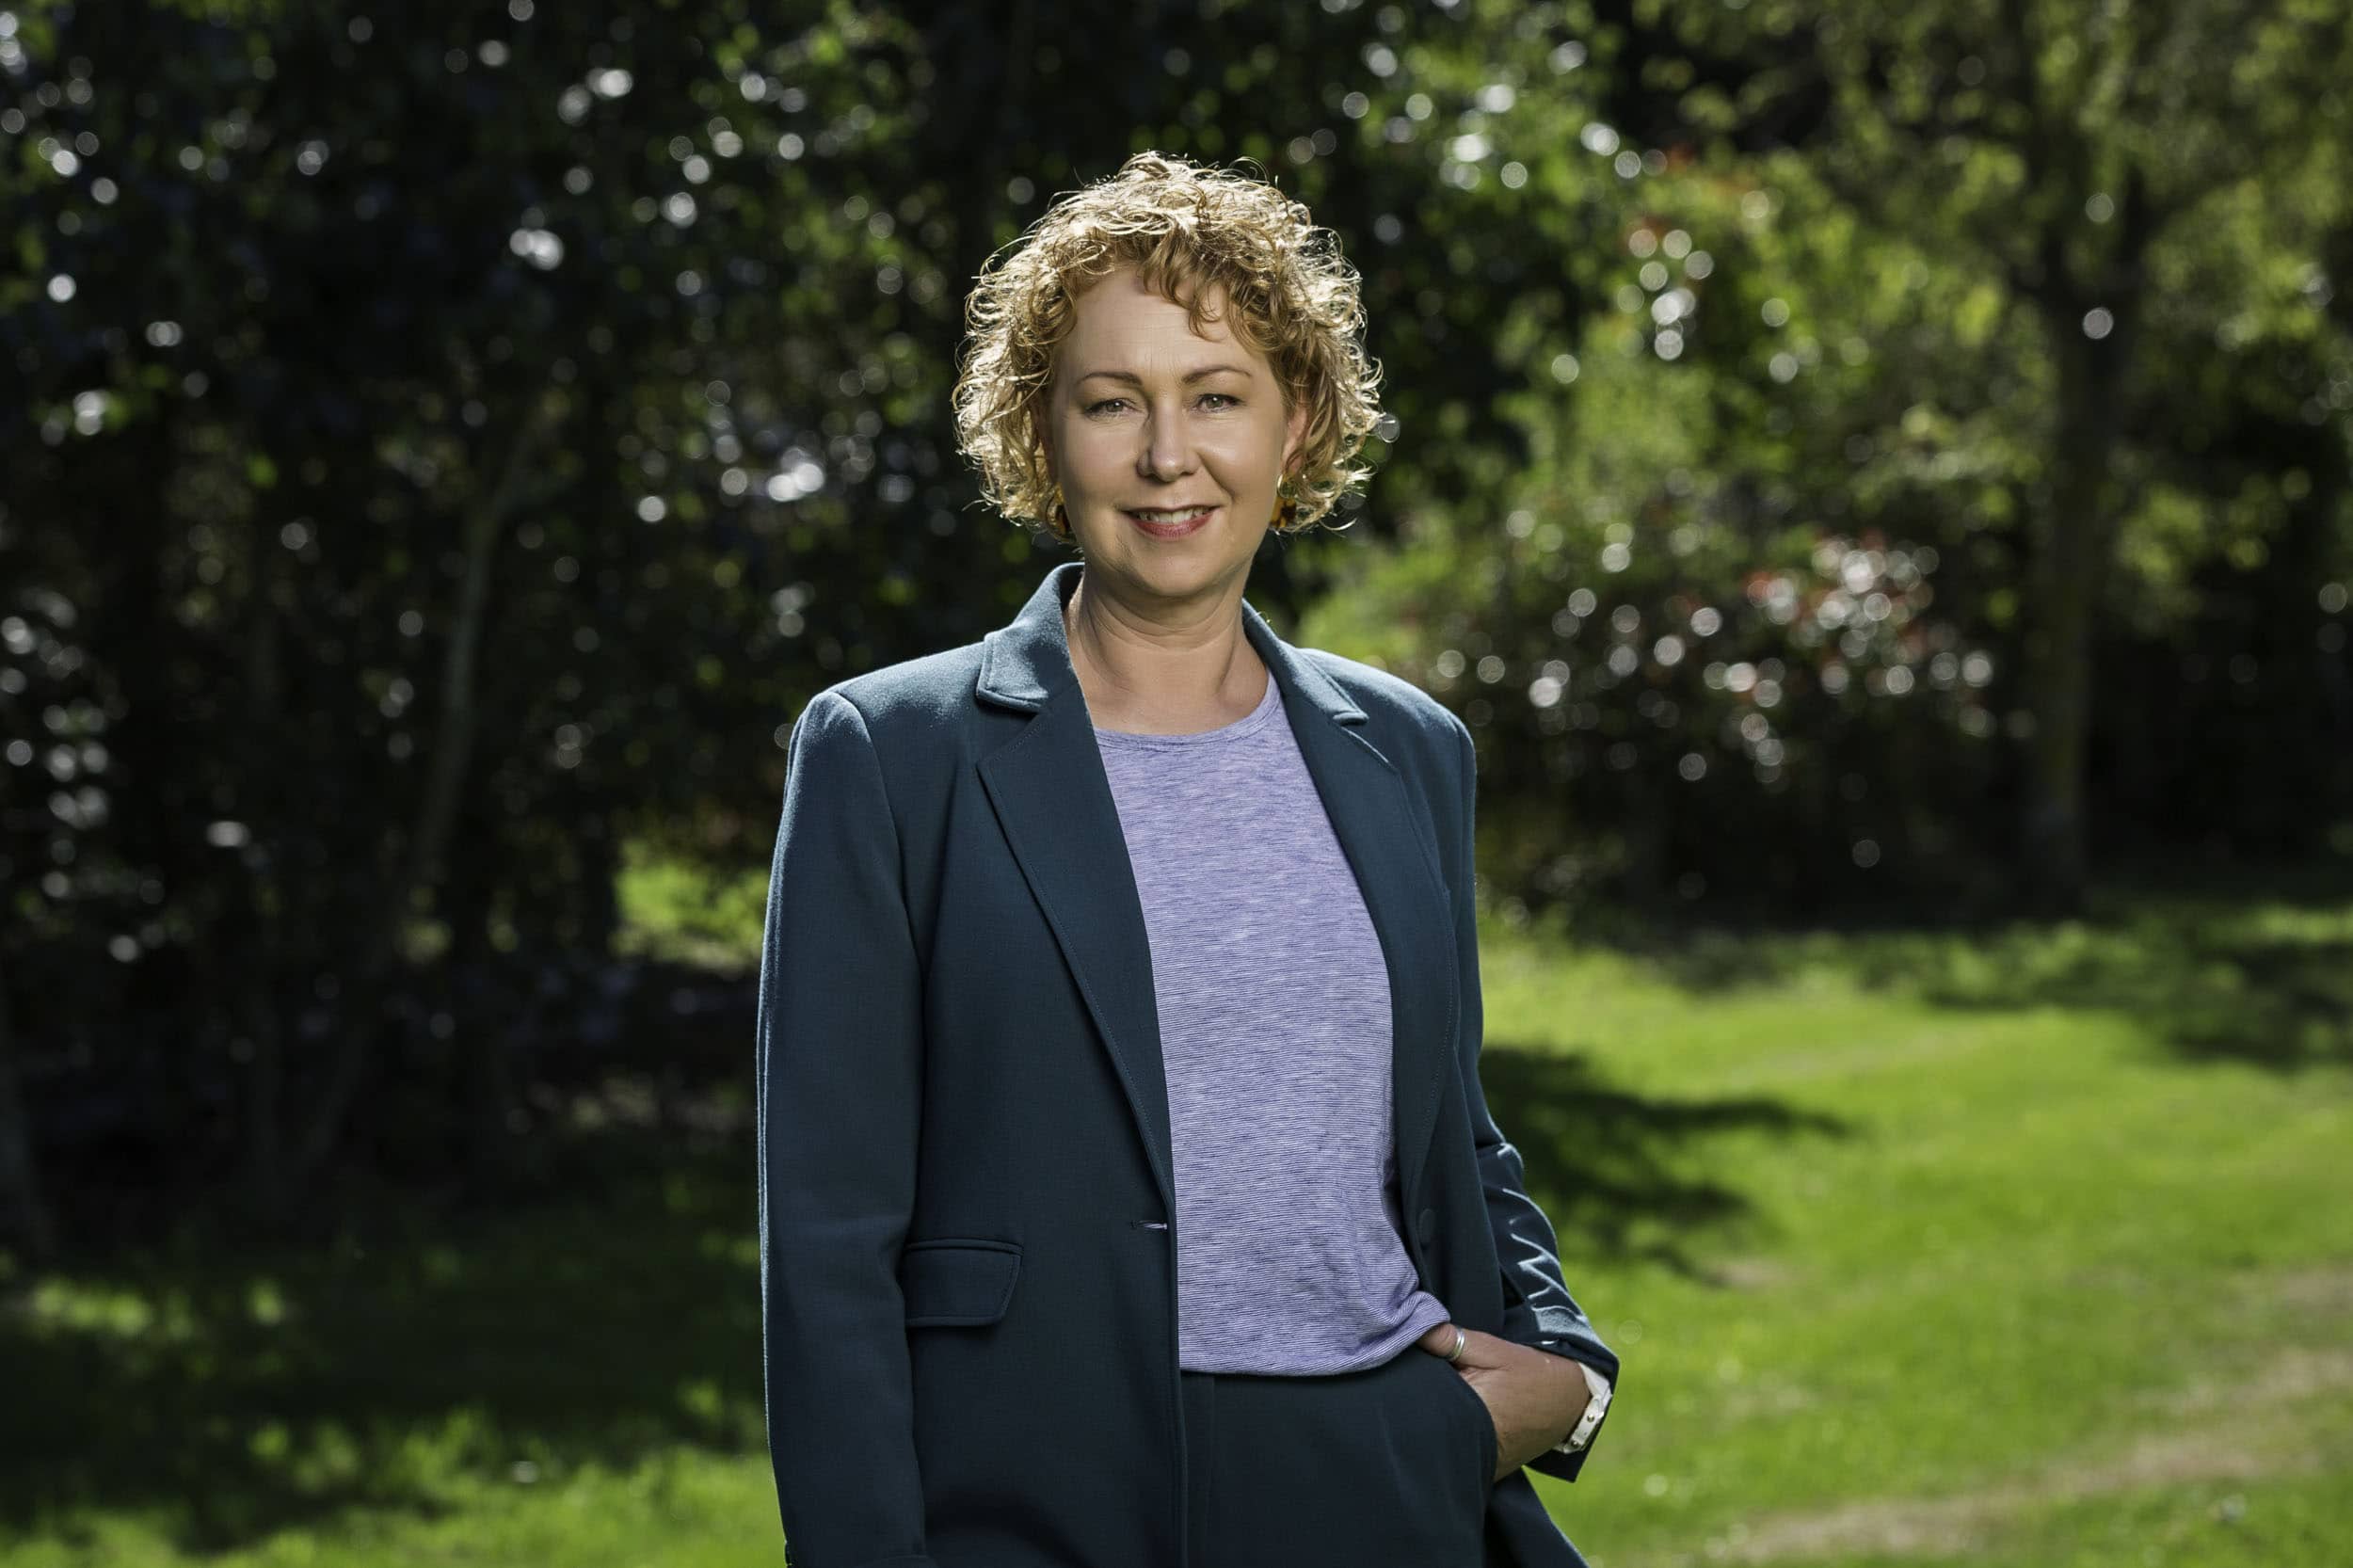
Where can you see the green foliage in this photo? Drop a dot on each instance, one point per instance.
(1987, 290)
(455, 441)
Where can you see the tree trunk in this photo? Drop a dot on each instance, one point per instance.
(256, 911)
(452, 758)
(478, 1005)
(2063, 601)
(19, 1184)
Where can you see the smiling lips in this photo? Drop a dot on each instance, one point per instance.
(1164, 522)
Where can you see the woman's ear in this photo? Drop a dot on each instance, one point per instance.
(1296, 432)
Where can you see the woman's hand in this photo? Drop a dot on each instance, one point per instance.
(1534, 1397)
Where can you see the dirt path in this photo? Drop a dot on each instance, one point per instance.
(2238, 1438)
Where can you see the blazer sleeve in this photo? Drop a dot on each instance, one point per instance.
(1538, 1308)
(840, 1029)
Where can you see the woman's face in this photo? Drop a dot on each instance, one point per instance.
(1168, 445)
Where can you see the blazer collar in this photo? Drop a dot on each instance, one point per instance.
(1026, 663)
(1052, 798)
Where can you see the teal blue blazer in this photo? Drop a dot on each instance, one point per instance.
(967, 1265)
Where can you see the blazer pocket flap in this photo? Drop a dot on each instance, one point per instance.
(957, 1283)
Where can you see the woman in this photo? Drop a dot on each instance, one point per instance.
(1120, 997)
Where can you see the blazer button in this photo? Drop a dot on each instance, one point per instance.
(1426, 1225)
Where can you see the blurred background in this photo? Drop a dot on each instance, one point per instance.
(1873, 476)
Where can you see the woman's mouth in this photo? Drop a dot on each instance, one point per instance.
(1164, 522)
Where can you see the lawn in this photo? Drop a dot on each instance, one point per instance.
(2030, 1247)
(2027, 1246)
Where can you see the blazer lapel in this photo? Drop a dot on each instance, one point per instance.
(1055, 803)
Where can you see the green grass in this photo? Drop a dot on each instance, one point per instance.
(2024, 1247)
(2029, 1246)
(690, 914)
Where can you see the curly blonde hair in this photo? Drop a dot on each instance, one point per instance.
(1183, 227)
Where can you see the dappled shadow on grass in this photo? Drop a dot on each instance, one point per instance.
(2222, 974)
(228, 1395)
(230, 1398)
(1614, 1170)
(234, 1397)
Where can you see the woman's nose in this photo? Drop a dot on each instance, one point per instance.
(1168, 453)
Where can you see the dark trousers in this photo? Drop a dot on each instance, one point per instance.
(1385, 1467)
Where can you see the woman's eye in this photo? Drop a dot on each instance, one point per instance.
(1220, 402)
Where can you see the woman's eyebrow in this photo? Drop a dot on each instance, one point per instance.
(1191, 376)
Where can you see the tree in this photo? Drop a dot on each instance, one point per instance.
(2066, 154)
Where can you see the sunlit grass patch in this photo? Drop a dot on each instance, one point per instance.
(1918, 1244)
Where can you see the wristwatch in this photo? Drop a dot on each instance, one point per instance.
(1582, 1433)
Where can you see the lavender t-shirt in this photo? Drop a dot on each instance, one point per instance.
(1275, 1034)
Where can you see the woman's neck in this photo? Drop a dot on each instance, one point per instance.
(1147, 677)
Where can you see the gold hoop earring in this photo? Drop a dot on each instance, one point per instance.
(1287, 506)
